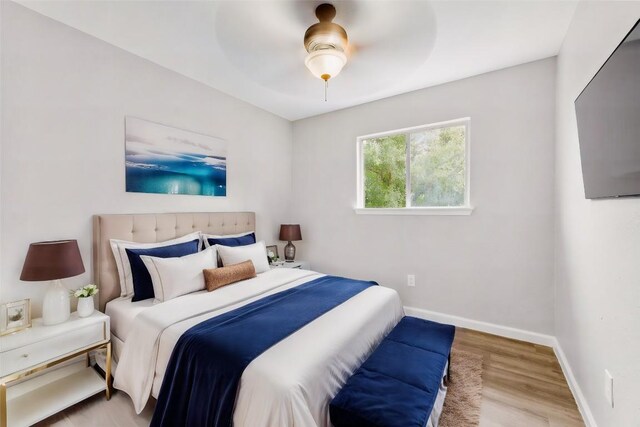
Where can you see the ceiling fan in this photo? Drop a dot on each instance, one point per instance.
(383, 43)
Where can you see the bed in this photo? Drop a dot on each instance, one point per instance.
(292, 382)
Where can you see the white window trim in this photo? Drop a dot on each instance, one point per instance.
(436, 210)
(465, 209)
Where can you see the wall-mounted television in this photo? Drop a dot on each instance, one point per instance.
(608, 114)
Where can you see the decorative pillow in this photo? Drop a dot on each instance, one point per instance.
(172, 277)
(142, 284)
(241, 239)
(122, 261)
(256, 253)
(218, 277)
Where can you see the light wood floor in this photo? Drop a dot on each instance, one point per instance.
(523, 386)
(522, 383)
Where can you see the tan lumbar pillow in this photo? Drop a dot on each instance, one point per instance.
(215, 278)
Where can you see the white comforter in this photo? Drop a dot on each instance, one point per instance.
(293, 382)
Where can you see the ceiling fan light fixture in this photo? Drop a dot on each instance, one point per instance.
(325, 43)
(325, 63)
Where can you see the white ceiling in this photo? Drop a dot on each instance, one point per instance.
(253, 50)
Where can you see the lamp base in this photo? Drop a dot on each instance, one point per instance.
(56, 307)
(289, 252)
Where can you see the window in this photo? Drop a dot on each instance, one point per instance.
(421, 170)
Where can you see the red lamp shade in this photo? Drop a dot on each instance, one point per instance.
(52, 261)
(290, 232)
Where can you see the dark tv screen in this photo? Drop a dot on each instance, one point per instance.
(608, 114)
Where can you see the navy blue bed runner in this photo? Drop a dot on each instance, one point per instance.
(204, 371)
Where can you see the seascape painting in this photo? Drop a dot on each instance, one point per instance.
(162, 159)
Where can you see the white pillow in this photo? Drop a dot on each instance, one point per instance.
(257, 253)
(118, 247)
(173, 277)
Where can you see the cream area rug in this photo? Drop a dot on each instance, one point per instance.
(464, 393)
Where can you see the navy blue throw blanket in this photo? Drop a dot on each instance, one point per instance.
(203, 374)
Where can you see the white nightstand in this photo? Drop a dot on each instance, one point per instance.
(39, 348)
(304, 265)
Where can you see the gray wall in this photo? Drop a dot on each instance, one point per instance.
(495, 265)
(597, 241)
(64, 98)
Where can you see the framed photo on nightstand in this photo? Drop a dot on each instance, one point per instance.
(272, 253)
(15, 316)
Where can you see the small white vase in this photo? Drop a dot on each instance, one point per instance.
(85, 306)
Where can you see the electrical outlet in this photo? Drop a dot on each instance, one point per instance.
(411, 280)
(608, 387)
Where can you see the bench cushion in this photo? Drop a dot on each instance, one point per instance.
(346, 408)
(411, 365)
(432, 336)
(398, 384)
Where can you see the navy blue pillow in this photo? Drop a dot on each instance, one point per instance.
(248, 239)
(142, 284)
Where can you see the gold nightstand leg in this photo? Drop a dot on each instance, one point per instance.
(108, 373)
(3, 405)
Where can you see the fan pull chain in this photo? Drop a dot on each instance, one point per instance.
(326, 86)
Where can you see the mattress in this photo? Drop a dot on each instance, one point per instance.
(122, 313)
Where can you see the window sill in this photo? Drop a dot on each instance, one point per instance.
(457, 210)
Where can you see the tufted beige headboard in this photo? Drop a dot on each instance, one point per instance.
(149, 228)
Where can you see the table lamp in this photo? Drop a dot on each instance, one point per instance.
(53, 261)
(289, 232)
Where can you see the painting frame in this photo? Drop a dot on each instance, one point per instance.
(15, 316)
(163, 159)
(274, 249)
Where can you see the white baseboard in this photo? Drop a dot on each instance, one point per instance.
(490, 328)
(517, 334)
(581, 401)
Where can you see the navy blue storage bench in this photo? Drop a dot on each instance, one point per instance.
(398, 384)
